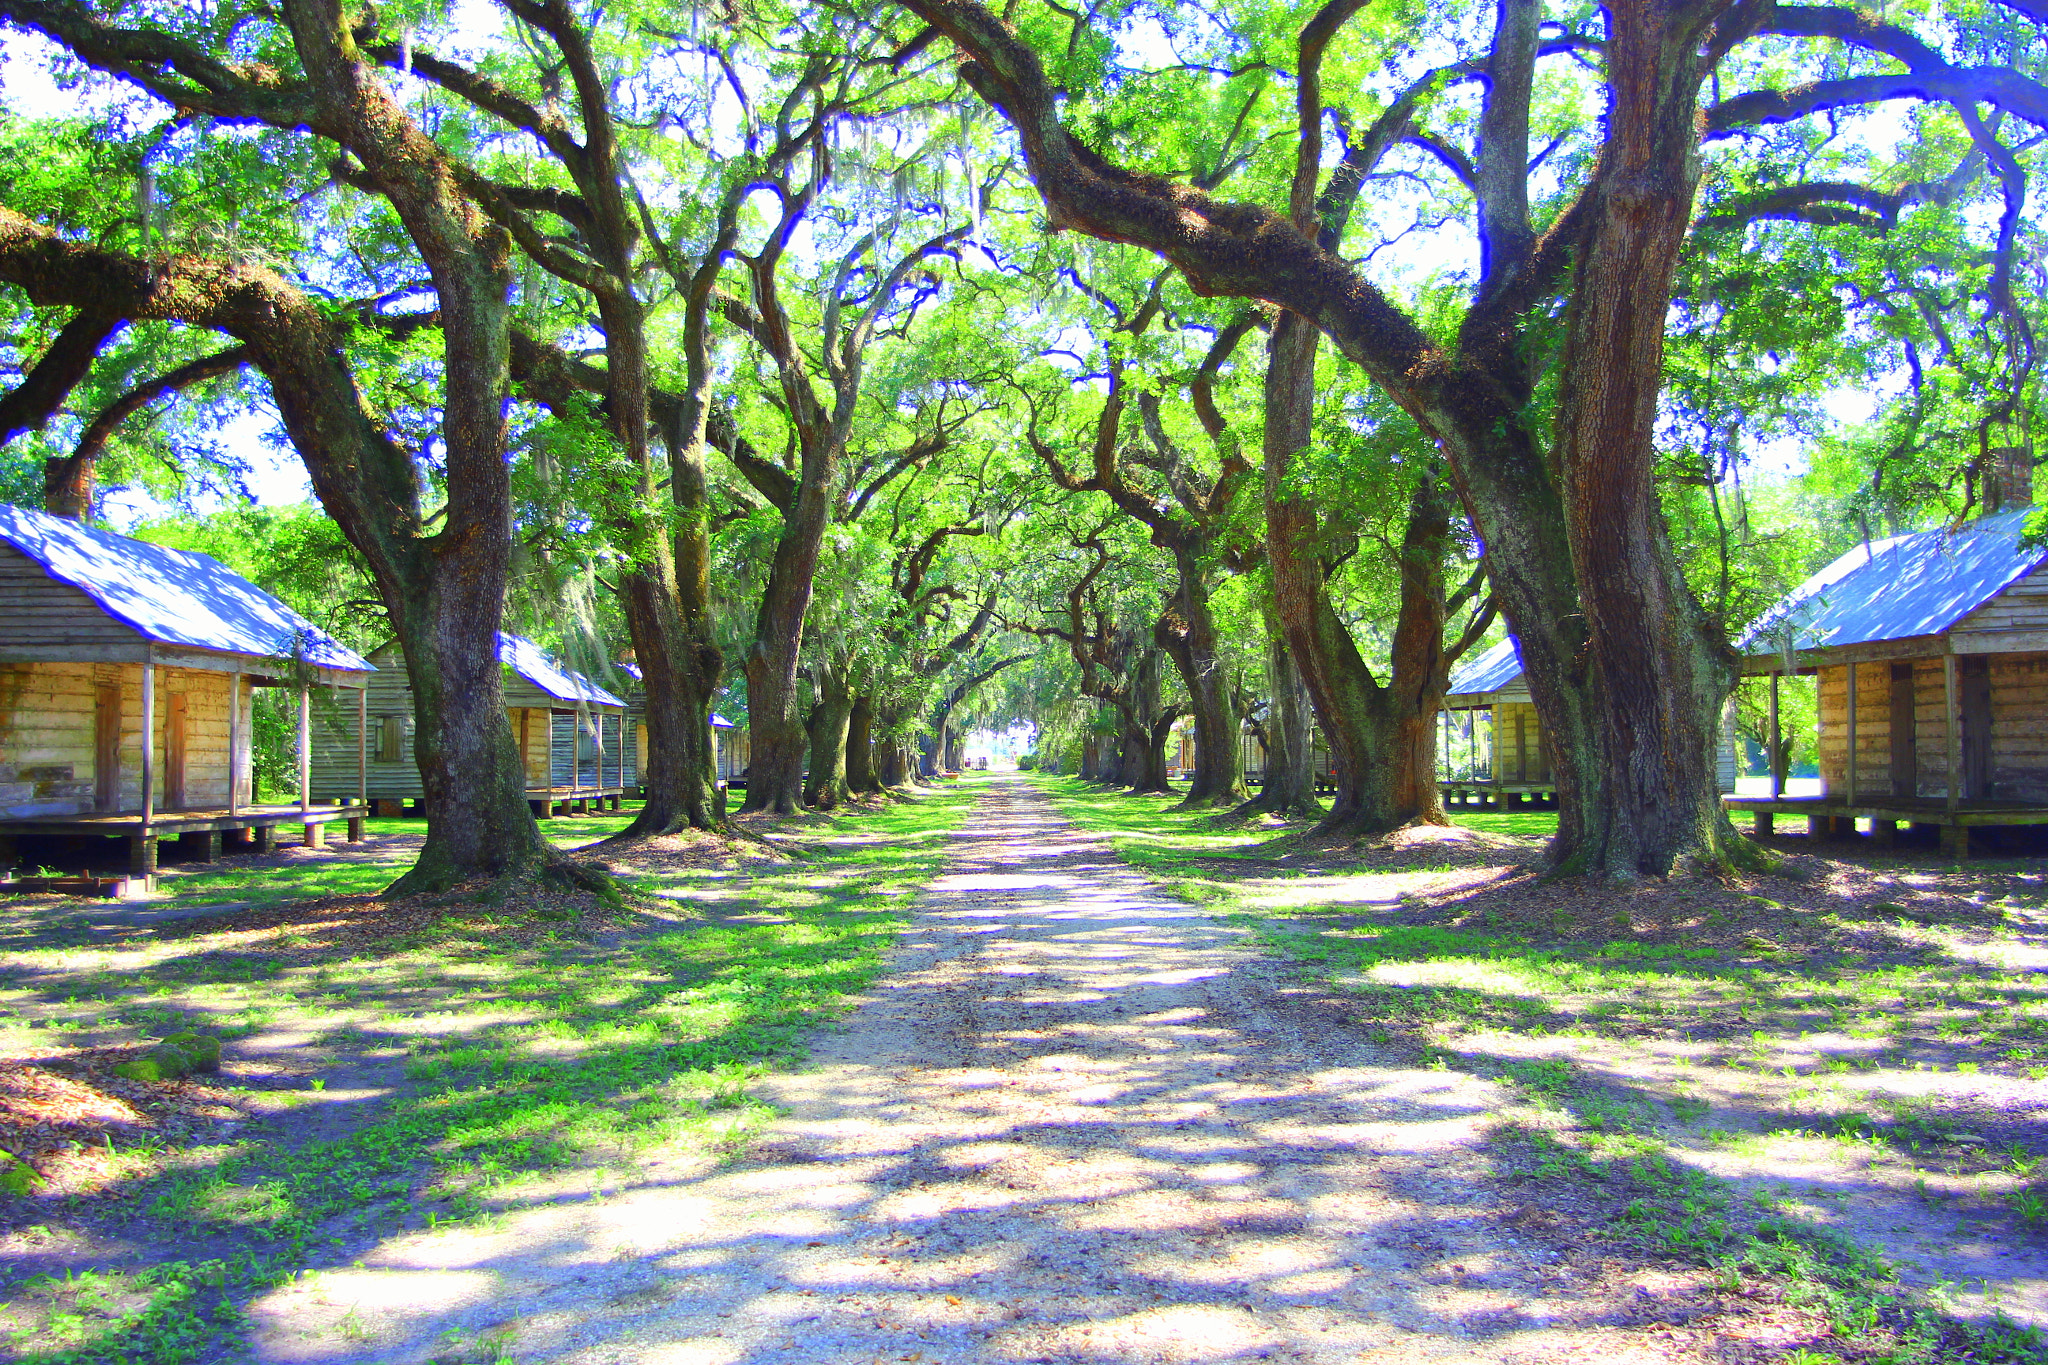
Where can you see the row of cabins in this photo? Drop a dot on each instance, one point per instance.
(582, 745)
(108, 639)
(1929, 652)
(127, 676)
(576, 738)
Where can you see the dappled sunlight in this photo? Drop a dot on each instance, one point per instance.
(1094, 1132)
(1297, 893)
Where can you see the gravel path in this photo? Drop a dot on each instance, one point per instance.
(1074, 1121)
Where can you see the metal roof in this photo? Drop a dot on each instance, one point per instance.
(532, 663)
(1916, 584)
(174, 597)
(632, 671)
(1486, 672)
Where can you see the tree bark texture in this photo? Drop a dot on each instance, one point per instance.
(829, 726)
(1188, 635)
(1290, 785)
(1381, 737)
(861, 778)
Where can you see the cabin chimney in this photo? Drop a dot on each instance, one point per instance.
(68, 487)
(2010, 482)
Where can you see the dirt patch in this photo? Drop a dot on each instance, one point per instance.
(79, 1125)
(690, 851)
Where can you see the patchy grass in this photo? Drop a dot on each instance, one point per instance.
(1829, 1079)
(1526, 823)
(471, 1060)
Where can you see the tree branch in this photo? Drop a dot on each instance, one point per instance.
(62, 368)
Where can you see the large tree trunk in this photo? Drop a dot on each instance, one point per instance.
(1290, 785)
(828, 726)
(449, 598)
(1094, 764)
(1144, 727)
(861, 778)
(776, 781)
(667, 601)
(1663, 672)
(899, 766)
(680, 778)
(1381, 737)
(1188, 634)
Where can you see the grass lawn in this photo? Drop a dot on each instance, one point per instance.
(1829, 1078)
(402, 1067)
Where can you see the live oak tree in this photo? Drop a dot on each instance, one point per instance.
(1189, 508)
(1110, 626)
(1543, 394)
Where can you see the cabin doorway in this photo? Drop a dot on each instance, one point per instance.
(106, 746)
(1905, 728)
(1973, 687)
(175, 713)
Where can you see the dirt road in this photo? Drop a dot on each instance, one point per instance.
(1074, 1121)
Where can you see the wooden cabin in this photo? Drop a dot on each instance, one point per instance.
(110, 639)
(1491, 750)
(728, 740)
(1180, 750)
(1931, 655)
(571, 733)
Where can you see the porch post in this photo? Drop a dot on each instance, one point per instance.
(305, 747)
(142, 848)
(1777, 737)
(1495, 769)
(314, 835)
(363, 744)
(234, 744)
(355, 822)
(1849, 774)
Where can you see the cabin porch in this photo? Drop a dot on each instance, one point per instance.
(1834, 816)
(202, 834)
(548, 802)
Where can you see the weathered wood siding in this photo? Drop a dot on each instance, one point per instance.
(393, 776)
(1519, 750)
(48, 724)
(43, 614)
(735, 754)
(2023, 606)
(2018, 738)
(582, 743)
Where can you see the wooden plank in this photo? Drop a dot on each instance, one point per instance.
(236, 742)
(305, 747)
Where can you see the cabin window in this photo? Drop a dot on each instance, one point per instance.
(390, 739)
